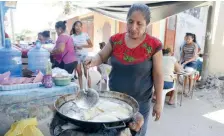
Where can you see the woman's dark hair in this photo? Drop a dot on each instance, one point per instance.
(73, 27)
(102, 44)
(166, 51)
(142, 8)
(195, 41)
(193, 36)
(61, 24)
(46, 34)
(200, 55)
(40, 33)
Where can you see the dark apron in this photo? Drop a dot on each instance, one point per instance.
(135, 80)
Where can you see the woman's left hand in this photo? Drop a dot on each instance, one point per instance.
(79, 47)
(157, 109)
(137, 123)
(185, 63)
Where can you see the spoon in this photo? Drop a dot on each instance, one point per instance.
(88, 97)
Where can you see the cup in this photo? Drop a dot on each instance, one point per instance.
(47, 81)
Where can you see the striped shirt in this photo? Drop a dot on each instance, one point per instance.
(189, 51)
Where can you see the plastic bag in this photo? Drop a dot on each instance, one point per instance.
(57, 72)
(26, 127)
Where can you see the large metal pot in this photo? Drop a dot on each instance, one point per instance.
(97, 125)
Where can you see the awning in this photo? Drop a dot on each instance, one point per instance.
(159, 9)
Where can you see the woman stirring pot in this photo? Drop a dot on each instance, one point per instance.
(136, 60)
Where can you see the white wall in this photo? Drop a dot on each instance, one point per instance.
(162, 30)
(187, 23)
(216, 52)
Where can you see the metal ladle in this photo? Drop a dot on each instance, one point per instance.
(88, 97)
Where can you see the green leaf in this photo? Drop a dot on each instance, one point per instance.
(145, 45)
(128, 58)
(149, 49)
(118, 42)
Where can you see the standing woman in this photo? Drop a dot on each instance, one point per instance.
(81, 43)
(136, 60)
(63, 52)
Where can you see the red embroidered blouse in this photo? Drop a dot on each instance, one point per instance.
(127, 55)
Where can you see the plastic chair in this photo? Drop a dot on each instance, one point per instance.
(195, 78)
(105, 71)
(165, 91)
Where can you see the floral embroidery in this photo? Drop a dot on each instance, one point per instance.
(118, 42)
(148, 48)
(128, 58)
(136, 55)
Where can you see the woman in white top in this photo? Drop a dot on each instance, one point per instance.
(170, 65)
(81, 43)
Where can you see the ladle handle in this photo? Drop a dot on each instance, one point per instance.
(87, 77)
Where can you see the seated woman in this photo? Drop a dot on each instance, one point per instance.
(188, 58)
(170, 65)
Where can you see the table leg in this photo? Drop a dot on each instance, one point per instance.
(193, 87)
(182, 93)
(176, 90)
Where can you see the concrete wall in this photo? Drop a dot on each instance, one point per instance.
(156, 29)
(216, 54)
(162, 30)
(70, 22)
(101, 24)
(188, 23)
(104, 27)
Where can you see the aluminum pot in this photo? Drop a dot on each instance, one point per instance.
(98, 125)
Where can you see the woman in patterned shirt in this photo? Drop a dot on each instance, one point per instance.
(136, 60)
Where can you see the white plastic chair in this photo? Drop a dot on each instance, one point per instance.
(165, 91)
(105, 69)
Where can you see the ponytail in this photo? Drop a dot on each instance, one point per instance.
(194, 36)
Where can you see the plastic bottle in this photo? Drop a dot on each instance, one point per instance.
(10, 59)
(38, 58)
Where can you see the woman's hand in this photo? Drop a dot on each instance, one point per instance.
(185, 63)
(79, 47)
(157, 109)
(88, 62)
(137, 122)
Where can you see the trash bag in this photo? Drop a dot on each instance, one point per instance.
(26, 127)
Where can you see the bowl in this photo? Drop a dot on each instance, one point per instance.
(62, 81)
